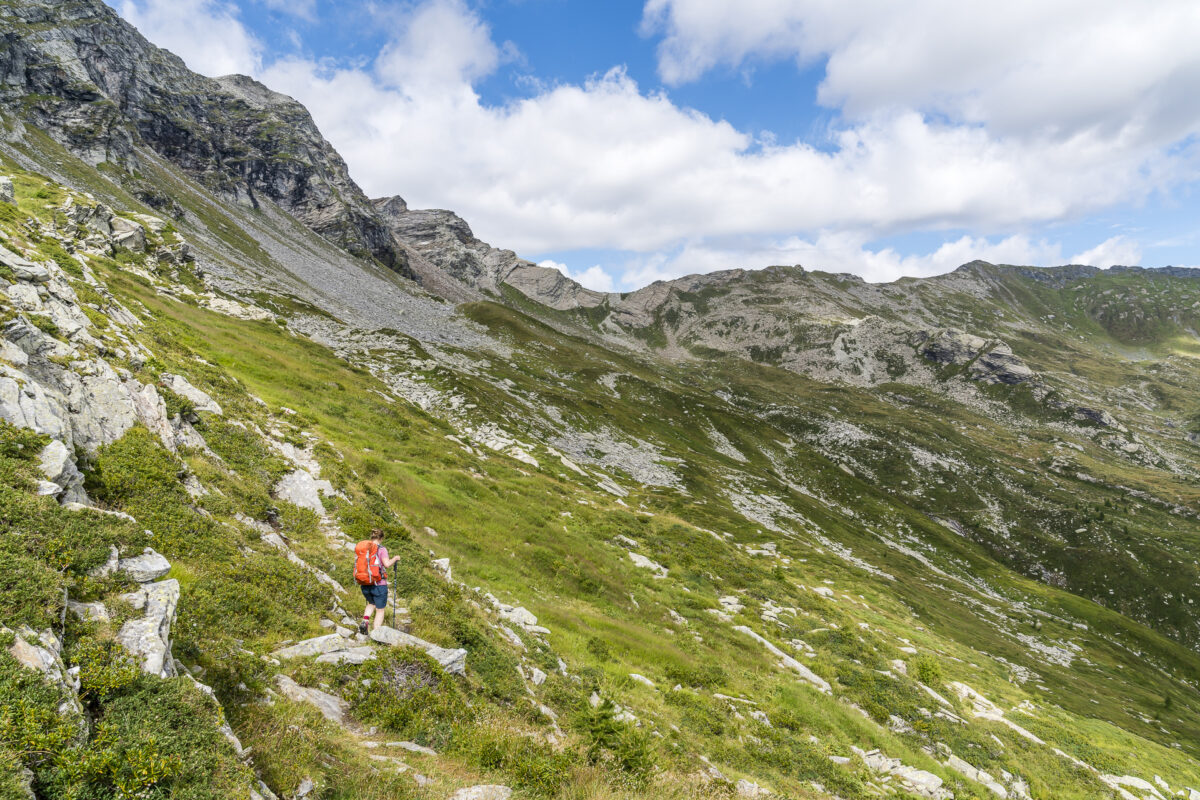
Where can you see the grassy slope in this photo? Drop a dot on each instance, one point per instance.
(540, 538)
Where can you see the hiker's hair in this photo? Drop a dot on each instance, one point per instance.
(377, 534)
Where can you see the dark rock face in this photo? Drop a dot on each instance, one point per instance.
(80, 72)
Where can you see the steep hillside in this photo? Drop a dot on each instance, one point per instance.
(757, 533)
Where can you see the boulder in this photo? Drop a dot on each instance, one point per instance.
(330, 643)
(128, 234)
(354, 655)
(453, 661)
(89, 611)
(747, 788)
(26, 404)
(300, 488)
(24, 297)
(950, 346)
(200, 400)
(148, 567)
(58, 465)
(149, 638)
(642, 562)
(1000, 365)
(332, 708)
(490, 791)
(22, 268)
(7, 194)
(111, 565)
(519, 615)
(42, 652)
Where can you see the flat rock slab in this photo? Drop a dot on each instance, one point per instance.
(484, 792)
(148, 567)
(453, 661)
(355, 655)
(332, 708)
(330, 643)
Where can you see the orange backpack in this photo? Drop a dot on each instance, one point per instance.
(366, 563)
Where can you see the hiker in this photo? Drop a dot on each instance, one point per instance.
(371, 561)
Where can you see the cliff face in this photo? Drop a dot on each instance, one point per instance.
(78, 71)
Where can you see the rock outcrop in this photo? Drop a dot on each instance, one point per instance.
(87, 77)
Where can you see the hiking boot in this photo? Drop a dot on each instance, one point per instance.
(362, 628)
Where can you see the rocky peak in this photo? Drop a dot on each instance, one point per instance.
(88, 78)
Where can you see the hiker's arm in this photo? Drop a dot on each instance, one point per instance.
(387, 562)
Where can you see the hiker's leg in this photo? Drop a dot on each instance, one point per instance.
(380, 604)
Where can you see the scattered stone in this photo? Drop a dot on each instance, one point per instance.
(200, 400)
(354, 655)
(149, 638)
(413, 747)
(642, 562)
(747, 788)
(642, 679)
(7, 194)
(332, 708)
(148, 567)
(300, 488)
(330, 643)
(788, 662)
(483, 792)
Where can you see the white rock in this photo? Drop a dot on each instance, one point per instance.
(354, 655)
(24, 297)
(149, 566)
(537, 677)
(89, 611)
(483, 792)
(201, 400)
(330, 643)
(642, 562)
(747, 788)
(413, 747)
(7, 194)
(520, 616)
(23, 269)
(642, 679)
(331, 707)
(300, 488)
(58, 465)
(453, 661)
(232, 308)
(787, 661)
(45, 657)
(149, 638)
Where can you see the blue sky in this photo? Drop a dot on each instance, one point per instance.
(629, 141)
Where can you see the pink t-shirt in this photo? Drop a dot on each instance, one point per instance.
(382, 555)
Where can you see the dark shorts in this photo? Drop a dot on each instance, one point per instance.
(376, 595)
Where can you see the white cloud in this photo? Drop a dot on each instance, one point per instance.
(1024, 66)
(206, 34)
(1115, 251)
(605, 164)
(593, 277)
(441, 46)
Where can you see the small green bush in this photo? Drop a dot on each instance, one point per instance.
(929, 671)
